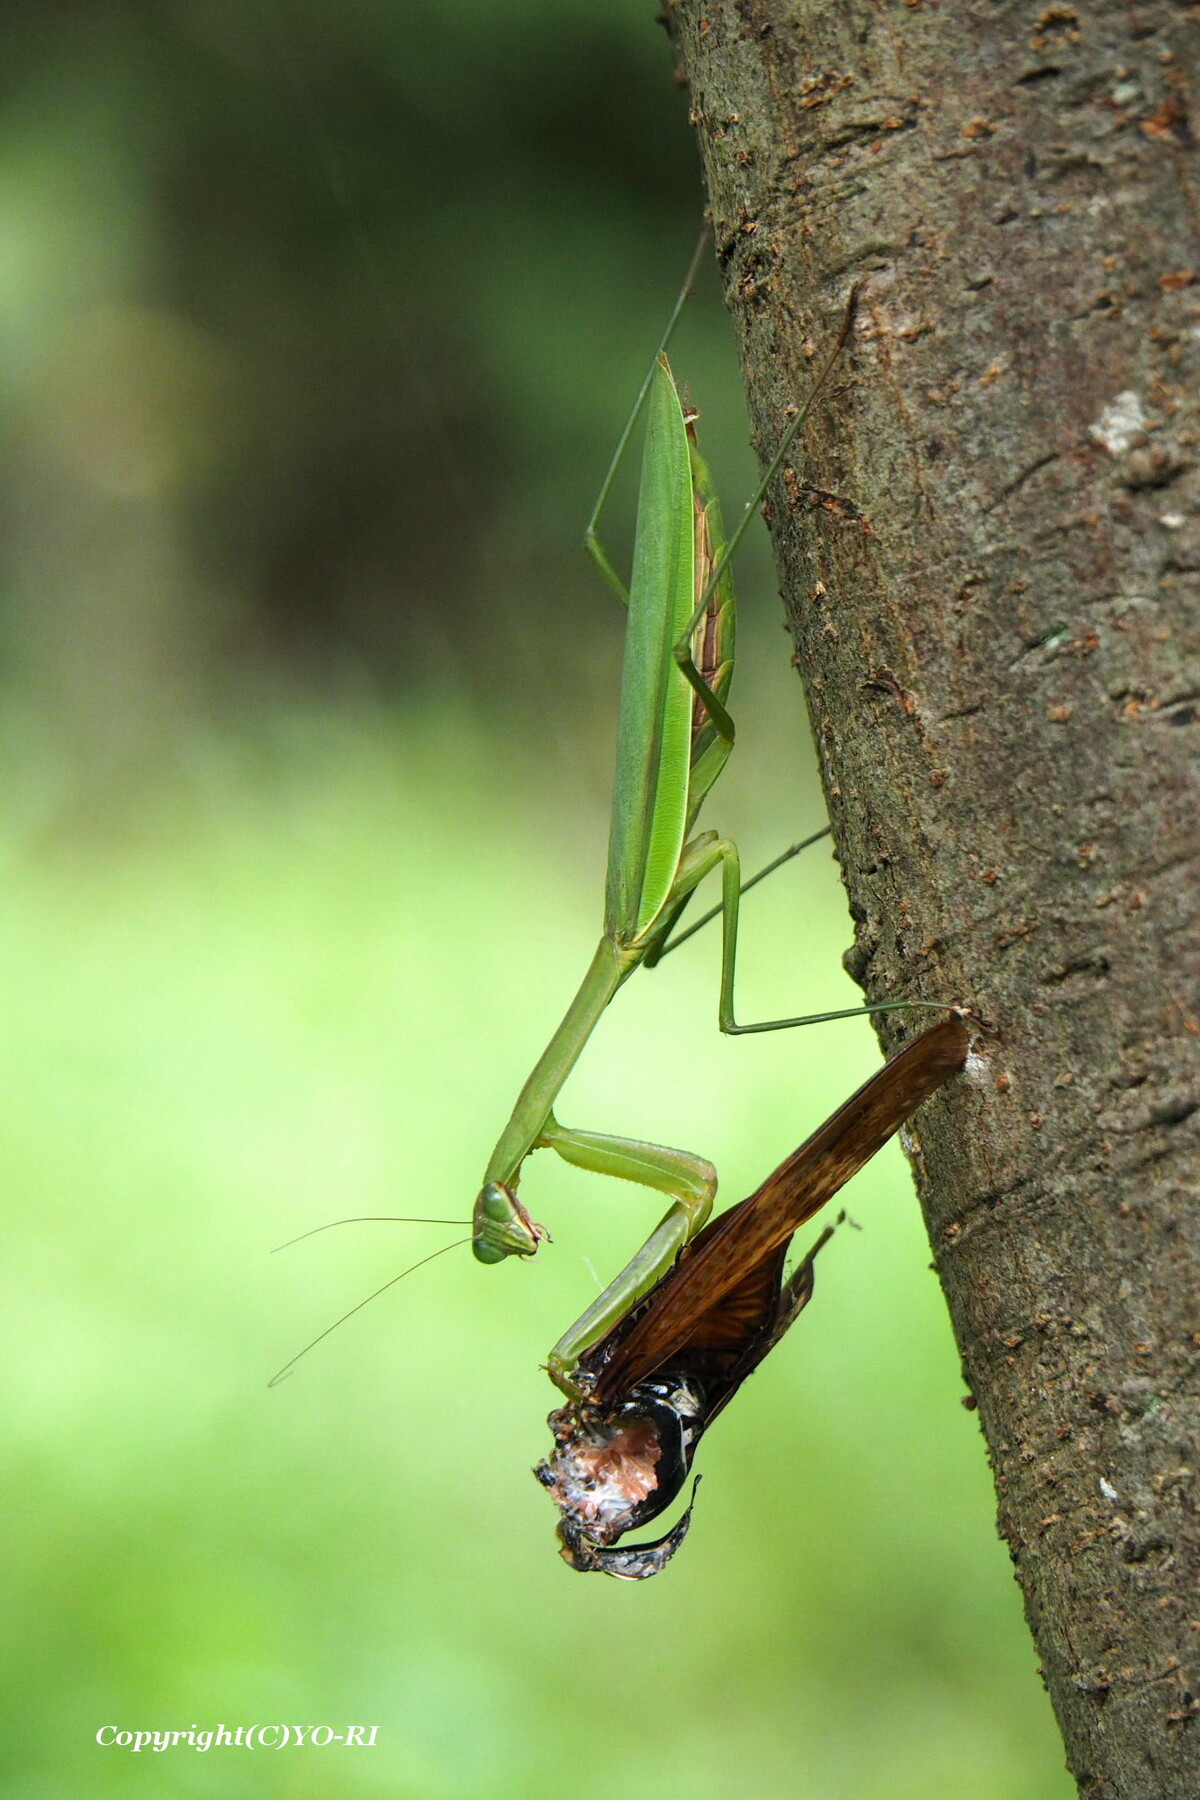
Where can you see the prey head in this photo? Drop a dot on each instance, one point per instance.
(501, 1227)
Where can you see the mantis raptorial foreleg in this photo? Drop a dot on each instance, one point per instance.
(690, 1180)
(644, 1269)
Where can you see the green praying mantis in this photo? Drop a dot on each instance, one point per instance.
(674, 737)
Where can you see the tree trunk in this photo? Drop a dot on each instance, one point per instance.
(990, 550)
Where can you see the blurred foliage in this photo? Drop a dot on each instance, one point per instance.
(319, 324)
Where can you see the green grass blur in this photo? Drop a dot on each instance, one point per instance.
(318, 328)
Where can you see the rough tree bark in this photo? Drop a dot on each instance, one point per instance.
(991, 558)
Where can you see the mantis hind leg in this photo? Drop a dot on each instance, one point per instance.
(691, 1182)
(591, 537)
(731, 889)
(683, 649)
(700, 859)
(714, 912)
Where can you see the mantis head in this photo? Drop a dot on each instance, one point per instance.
(501, 1226)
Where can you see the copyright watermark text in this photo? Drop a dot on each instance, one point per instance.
(238, 1737)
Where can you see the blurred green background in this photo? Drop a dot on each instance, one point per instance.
(319, 324)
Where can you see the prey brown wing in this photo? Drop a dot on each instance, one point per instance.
(724, 1285)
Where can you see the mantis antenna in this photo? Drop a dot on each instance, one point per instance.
(283, 1373)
